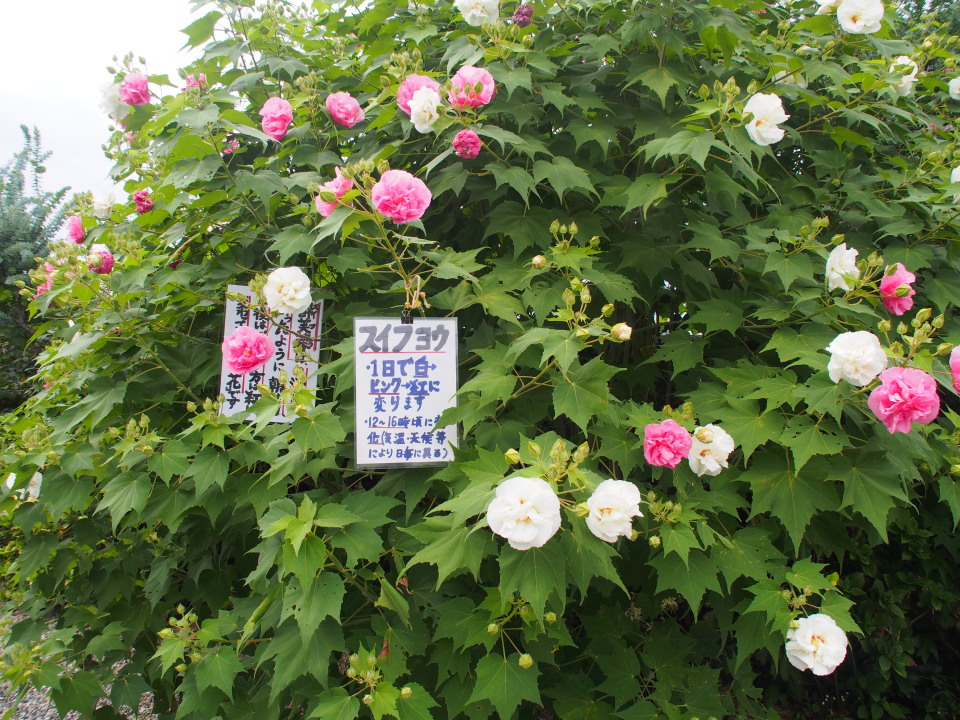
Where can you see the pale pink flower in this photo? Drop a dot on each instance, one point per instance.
(955, 367)
(538, 261)
(400, 196)
(340, 186)
(143, 200)
(75, 229)
(44, 287)
(613, 506)
(905, 396)
(888, 290)
(277, 115)
(246, 349)
(621, 332)
(666, 443)
(196, 81)
(467, 144)
(134, 90)
(344, 109)
(410, 85)
(464, 93)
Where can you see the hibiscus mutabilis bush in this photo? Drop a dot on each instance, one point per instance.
(702, 260)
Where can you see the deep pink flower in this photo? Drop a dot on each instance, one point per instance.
(467, 144)
(905, 396)
(340, 185)
(888, 290)
(277, 115)
(400, 196)
(666, 443)
(75, 229)
(410, 85)
(464, 92)
(344, 109)
(522, 15)
(955, 367)
(231, 146)
(143, 200)
(100, 259)
(134, 90)
(246, 349)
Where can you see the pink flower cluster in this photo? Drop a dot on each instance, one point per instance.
(143, 200)
(401, 197)
(410, 85)
(134, 90)
(888, 290)
(344, 109)
(75, 229)
(232, 146)
(339, 185)
(666, 444)
(196, 81)
(905, 396)
(100, 260)
(246, 349)
(44, 287)
(277, 115)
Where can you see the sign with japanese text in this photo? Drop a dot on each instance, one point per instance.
(296, 341)
(406, 376)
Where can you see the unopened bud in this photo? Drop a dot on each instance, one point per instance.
(937, 322)
(573, 228)
(884, 326)
(563, 229)
(180, 667)
(406, 692)
(493, 629)
(607, 310)
(525, 661)
(654, 541)
(704, 435)
(191, 406)
(621, 332)
(924, 315)
(351, 672)
(512, 456)
(902, 329)
(367, 700)
(944, 348)
(538, 261)
(554, 227)
(550, 617)
(534, 449)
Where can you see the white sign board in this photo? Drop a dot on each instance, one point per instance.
(406, 376)
(240, 390)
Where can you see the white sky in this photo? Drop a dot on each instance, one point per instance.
(56, 52)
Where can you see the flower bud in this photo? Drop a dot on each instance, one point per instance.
(191, 406)
(902, 329)
(568, 297)
(367, 700)
(955, 469)
(884, 326)
(607, 310)
(704, 435)
(621, 332)
(538, 261)
(493, 629)
(351, 672)
(563, 229)
(937, 322)
(582, 333)
(525, 661)
(573, 228)
(924, 315)
(944, 348)
(554, 227)
(534, 449)
(180, 667)
(527, 41)
(550, 617)
(654, 541)
(704, 92)
(512, 456)
(406, 692)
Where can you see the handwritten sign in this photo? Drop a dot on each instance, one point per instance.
(406, 377)
(300, 347)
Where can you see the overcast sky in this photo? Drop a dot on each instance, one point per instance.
(55, 53)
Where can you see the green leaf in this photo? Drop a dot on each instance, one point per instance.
(335, 704)
(871, 486)
(562, 345)
(678, 538)
(451, 548)
(127, 492)
(321, 430)
(685, 351)
(645, 192)
(789, 268)
(691, 580)
(750, 426)
(949, 491)
(534, 574)
(588, 557)
(201, 30)
(505, 684)
(790, 497)
(385, 697)
(210, 467)
(583, 393)
(417, 706)
(393, 600)
(514, 176)
(696, 144)
(749, 553)
(563, 175)
(77, 692)
(218, 669)
(806, 438)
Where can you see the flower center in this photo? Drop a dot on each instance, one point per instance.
(817, 641)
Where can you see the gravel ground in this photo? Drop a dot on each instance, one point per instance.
(37, 706)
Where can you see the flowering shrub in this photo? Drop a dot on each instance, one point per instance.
(701, 260)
